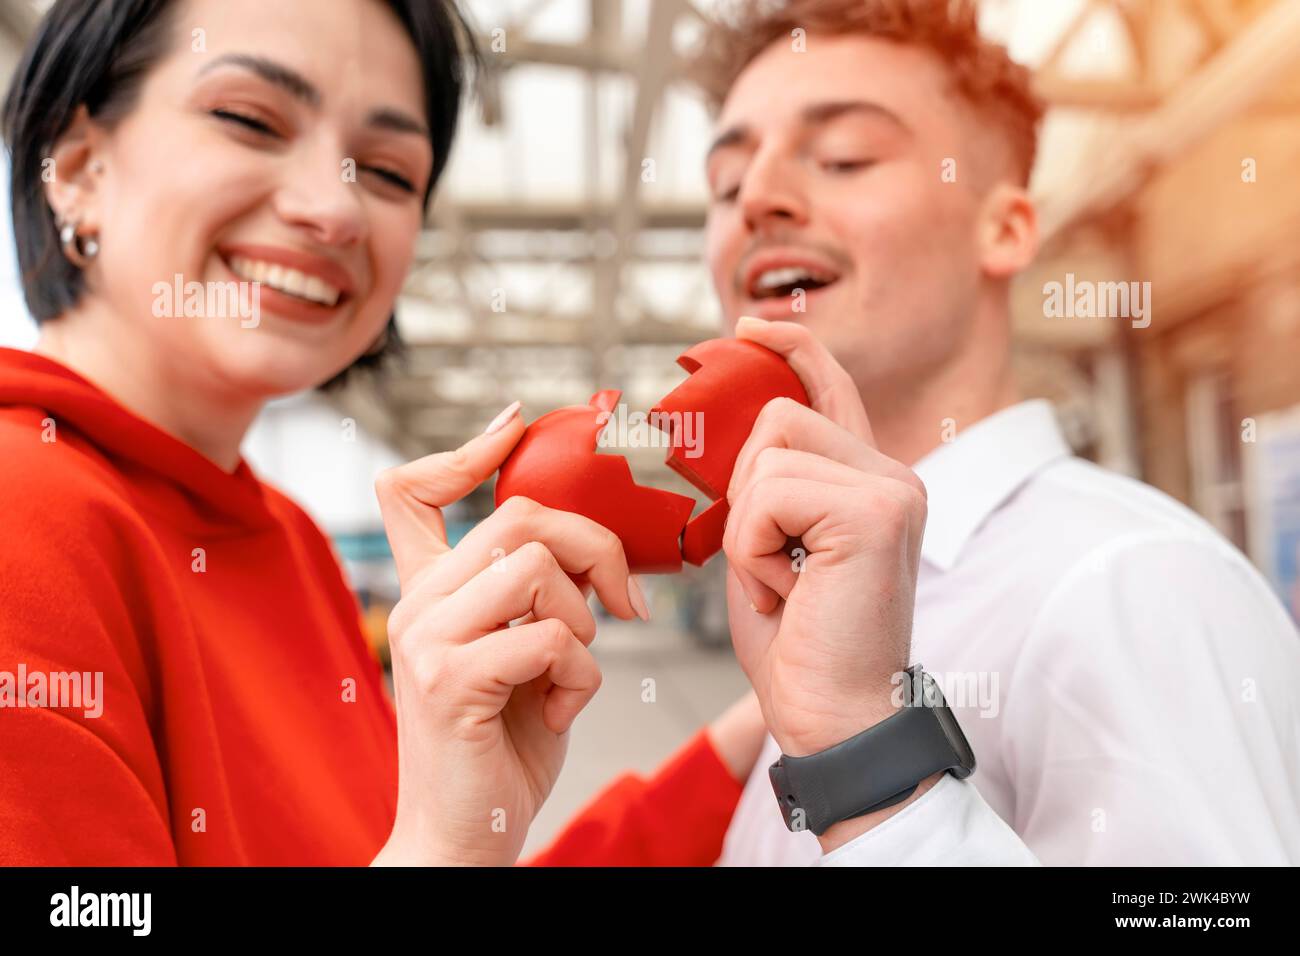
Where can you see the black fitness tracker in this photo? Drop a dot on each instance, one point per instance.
(877, 768)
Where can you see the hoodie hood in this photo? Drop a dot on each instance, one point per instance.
(168, 472)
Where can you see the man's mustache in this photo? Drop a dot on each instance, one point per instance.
(834, 256)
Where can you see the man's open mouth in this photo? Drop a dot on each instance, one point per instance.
(775, 273)
(784, 281)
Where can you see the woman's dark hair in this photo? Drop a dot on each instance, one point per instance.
(98, 52)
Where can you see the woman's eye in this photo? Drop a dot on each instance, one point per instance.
(847, 165)
(727, 195)
(396, 179)
(246, 121)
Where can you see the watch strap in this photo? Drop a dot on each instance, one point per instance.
(881, 766)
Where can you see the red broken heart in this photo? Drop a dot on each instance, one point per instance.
(556, 463)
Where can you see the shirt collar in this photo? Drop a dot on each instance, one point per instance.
(970, 477)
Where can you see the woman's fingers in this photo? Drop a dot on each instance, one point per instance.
(412, 496)
(545, 648)
(580, 546)
(830, 389)
(528, 580)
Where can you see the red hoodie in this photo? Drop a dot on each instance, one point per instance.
(244, 719)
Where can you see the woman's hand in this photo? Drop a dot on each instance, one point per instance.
(483, 709)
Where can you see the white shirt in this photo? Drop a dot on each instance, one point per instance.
(1128, 681)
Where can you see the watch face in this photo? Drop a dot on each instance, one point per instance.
(920, 689)
(957, 740)
(931, 695)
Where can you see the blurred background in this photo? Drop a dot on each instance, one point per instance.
(563, 255)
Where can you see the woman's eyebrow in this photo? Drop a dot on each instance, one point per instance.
(396, 120)
(301, 88)
(287, 78)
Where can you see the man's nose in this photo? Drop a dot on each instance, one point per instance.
(772, 193)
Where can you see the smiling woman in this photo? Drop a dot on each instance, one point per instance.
(294, 146)
(208, 131)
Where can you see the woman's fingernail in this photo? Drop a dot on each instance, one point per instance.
(505, 418)
(637, 597)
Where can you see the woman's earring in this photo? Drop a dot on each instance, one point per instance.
(77, 251)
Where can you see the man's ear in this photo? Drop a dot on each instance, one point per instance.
(72, 170)
(1008, 231)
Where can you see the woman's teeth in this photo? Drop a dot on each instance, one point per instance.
(284, 279)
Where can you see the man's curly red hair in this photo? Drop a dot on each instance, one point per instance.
(994, 85)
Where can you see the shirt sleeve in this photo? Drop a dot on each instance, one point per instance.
(678, 817)
(79, 785)
(1152, 713)
(948, 825)
(1151, 719)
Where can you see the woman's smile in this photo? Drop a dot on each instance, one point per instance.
(294, 284)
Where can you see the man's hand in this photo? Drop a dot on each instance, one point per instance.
(823, 542)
